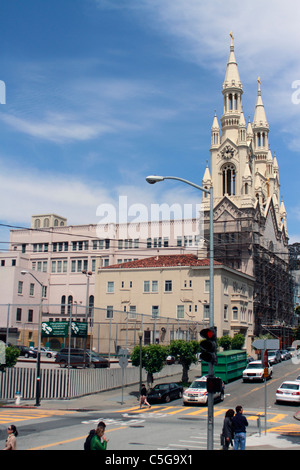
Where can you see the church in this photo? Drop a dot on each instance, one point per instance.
(250, 220)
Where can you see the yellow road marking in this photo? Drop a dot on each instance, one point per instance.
(54, 444)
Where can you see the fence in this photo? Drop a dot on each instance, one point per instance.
(71, 383)
(108, 329)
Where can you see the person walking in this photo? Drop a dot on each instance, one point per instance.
(99, 441)
(239, 422)
(11, 441)
(143, 397)
(227, 430)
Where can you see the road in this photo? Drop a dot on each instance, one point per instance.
(163, 427)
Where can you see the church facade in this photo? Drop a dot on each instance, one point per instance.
(250, 220)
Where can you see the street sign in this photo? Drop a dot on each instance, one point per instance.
(123, 360)
(61, 329)
(266, 344)
(2, 352)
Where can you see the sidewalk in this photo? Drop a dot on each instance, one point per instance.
(113, 399)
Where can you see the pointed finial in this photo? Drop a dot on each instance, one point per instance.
(259, 82)
(232, 38)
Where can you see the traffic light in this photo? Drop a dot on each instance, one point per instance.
(209, 345)
(214, 384)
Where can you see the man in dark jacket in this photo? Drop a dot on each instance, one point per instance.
(239, 423)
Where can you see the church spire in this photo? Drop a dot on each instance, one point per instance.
(232, 93)
(232, 77)
(260, 124)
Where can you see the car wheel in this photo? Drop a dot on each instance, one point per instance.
(222, 396)
(26, 355)
(49, 355)
(63, 364)
(167, 399)
(180, 394)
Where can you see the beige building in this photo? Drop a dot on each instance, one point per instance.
(160, 291)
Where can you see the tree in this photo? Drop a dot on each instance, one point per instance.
(153, 359)
(225, 342)
(238, 341)
(11, 357)
(185, 351)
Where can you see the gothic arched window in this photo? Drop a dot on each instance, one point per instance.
(229, 182)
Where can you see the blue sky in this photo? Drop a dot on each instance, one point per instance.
(101, 93)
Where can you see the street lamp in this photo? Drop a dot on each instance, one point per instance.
(38, 359)
(140, 333)
(156, 179)
(88, 275)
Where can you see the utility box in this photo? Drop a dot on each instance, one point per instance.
(230, 366)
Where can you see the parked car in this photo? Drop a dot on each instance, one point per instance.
(165, 392)
(274, 356)
(23, 350)
(197, 392)
(255, 371)
(46, 352)
(285, 355)
(288, 391)
(79, 359)
(170, 360)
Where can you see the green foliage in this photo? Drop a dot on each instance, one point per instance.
(225, 342)
(238, 341)
(153, 357)
(185, 352)
(11, 356)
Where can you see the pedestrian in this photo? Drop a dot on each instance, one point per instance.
(11, 441)
(227, 431)
(143, 397)
(239, 422)
(99, 441)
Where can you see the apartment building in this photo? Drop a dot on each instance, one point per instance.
(64, 258)
(167, 288)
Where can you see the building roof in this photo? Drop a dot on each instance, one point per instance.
(160, 261)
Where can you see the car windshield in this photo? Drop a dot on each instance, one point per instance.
(254, 365)
(290, 386)
(161, 387)
(198, 384)
(271, 353)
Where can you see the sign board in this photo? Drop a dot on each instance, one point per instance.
(266, 344)
(61, 329)
(123, 361)
(2, 352)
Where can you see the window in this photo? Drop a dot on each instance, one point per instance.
(132, 312)
(109, 311)
(168, 286)
(110, 287)
(146, 286)
(63, 305)
(206, 312)
(180, 311)
(228, 175)
(235, 313)
(154, 286)
(206, 285)
(19, 314)
(20, 287)
(30, 315)
(225, 312)
(31, 289)
(155, 311)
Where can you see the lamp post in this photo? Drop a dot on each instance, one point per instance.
(210, 404)
(140, 338)
(88, 275)
(38, 359)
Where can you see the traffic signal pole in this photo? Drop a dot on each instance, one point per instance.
(210, 413)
